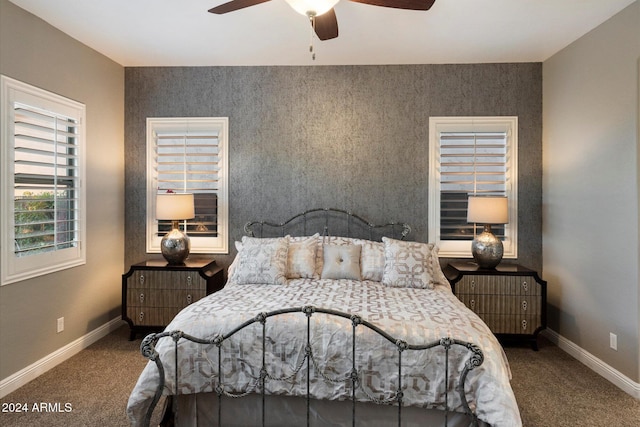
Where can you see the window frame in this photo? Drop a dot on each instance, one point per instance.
(508, 124)
(17, 268)
(199, 245)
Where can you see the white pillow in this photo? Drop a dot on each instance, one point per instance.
(408, 264)
(301, 258)
(333, 241)
(262, 261)
(341, 262)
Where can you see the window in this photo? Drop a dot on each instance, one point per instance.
(42, 169)
(467, 156)
(189, 155)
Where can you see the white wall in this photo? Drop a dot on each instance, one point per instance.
(88, 296)
(590, 191)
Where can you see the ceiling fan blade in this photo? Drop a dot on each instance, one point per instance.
(327, 25)
(400, 4)
(234, 5)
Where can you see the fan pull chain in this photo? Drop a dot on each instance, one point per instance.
(312, 18)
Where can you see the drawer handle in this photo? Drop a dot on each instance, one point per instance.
(189, 281)
(141, 297)
(473, 284)
(524, 325)
(189, 299)
(525, 286)
(524, 305)
(142, 279)
(472, 304)
(141, 317)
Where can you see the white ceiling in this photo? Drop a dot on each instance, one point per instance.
(182, 32)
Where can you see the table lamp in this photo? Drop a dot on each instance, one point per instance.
(175, 245)
(486, 248)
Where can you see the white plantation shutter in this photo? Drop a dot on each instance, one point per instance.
(190, 163)
(42, 173)
(188, 155)
(470, 163)
(46, 181)
(470, 156)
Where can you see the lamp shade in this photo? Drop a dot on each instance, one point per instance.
(488, 210)
(174, 206)
(312, 7)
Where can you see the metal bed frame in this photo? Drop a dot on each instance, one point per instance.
(322, 217)
(475, 359)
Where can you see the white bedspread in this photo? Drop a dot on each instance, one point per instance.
(417, 316)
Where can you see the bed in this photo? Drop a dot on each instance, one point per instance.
(325, 328)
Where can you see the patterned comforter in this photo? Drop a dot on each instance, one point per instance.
(417, 316)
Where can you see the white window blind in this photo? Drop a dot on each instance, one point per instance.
(470, 156)
(470, 163)
(189, 163)
(189, 156)
(46, 182)
(42, 176)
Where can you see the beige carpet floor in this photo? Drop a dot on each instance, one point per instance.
(552, 389)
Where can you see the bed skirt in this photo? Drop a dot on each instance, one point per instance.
(201, 409)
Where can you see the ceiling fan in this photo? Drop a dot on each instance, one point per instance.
(320, 12)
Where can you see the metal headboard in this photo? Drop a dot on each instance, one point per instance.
(308, 221)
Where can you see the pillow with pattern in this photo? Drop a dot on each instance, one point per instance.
(408, 264)
(262, 261)
(301, 258)
(437, 275)
(371, 260)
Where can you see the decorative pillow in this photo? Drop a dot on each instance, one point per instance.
(372, 260)
(339, 240)
(301, 256)
(341, 262)
(437, 275)
(333, 241)
(407, 264)
(262, 261)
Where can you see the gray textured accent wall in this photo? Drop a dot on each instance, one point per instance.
(350, 137)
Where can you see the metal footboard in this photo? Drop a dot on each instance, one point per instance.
(475, 359)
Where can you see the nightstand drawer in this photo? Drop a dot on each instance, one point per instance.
(512, 324)
(498, 285)
(147, 297)
(157, 279)
(152, 316)
(500, 304)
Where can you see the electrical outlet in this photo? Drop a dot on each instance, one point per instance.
(60, 324)
(613, 341)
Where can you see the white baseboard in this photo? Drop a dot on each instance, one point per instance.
(614, 376)
(20, 378)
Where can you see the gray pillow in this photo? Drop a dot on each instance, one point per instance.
(341, 262)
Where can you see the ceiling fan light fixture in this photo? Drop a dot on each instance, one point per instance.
(312, 7)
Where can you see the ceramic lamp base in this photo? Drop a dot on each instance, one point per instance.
(175, 247)
(487, 249)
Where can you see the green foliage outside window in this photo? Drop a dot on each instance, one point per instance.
(35, 222)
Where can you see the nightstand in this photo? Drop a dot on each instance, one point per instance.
(511, 299)
(153, 292)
